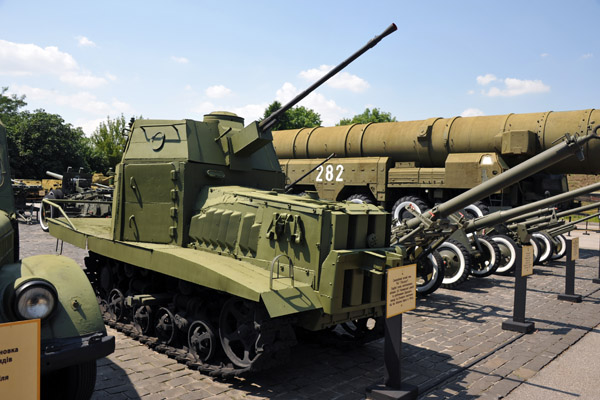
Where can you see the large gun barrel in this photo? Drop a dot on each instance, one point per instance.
(500, 217)
(268, 122)
(54, 175)
(566, 213)
(428, 143)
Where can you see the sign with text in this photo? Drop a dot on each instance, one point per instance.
(527, 260)
(20, 360)
(401, 290)
(574, 248)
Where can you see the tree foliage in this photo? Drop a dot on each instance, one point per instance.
(294, 118)
(368, 116)
(108, 143)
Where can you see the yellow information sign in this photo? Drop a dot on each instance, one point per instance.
(401, 290)
(20, 360)
(574, 248)
(527, 260)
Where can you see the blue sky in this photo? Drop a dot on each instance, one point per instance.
(88, 60)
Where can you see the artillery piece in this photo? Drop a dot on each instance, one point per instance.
(80, 197)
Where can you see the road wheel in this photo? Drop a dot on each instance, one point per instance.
(399, 212)
(71, 383)
(430, 273)
(458, 263)
(360, 199)
(489, 260)
(508, 254)
(535, 243)
(476, 210)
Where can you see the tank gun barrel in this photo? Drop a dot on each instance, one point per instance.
(54, 175)
(500, 217)
(268, 122)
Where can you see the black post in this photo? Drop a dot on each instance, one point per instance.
(569, 294)
(518, 323)
(392, 388)
(597, 280)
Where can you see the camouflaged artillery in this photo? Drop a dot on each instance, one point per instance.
(460, 242)
(55, 290)
(205, 257)
(79, 195)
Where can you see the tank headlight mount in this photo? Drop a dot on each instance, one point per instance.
(35, 299)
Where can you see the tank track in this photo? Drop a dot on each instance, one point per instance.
(278, 353)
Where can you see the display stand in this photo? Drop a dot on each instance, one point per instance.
(572, 255)
(523, 268)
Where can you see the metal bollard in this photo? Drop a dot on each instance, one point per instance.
(523, 268)
(572, 255)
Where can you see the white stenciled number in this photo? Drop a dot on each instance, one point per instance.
(329, 173)
(319, 173)
(339, 178)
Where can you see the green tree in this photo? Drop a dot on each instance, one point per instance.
(368, 116)
(44, 142)
(10, 105)
(294, 118)
(108, 143)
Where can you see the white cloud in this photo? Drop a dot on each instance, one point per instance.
(20, 59)
(486, 79)
(180, 60)
(82, 41)
(217, 91)
(330, 112)
(587, 55)
(82, 101)
(203, 108)
(342, 80)
(472, 112)
(518, 87)
(251, 112)
(544, 55)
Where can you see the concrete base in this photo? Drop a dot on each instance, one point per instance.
(522, 327)
(381, 392)
(573, 298)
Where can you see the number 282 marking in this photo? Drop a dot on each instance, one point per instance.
(329, 173)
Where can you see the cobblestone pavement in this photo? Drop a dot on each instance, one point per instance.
(453, 345)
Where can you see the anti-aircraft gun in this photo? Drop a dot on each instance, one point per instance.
(79, 196)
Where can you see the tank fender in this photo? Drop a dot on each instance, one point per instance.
(77, 312)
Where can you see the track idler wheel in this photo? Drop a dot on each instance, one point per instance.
(165, 326)
(202, 340)
(240, 331)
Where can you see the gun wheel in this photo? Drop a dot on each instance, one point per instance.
(560, 249)
(458, 263)
(546, 246)
(202, 340)
(240, 331)
(508, 254)
(488, 261)
(430, 273)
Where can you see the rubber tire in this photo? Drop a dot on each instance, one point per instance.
(547, 248)
(360, 199)
(476, 210)
(559, 252)
(452, 250)
(398, 212)
(537, 246)
(504, 242)
(76, 382)
(437, 275)
(494, 258)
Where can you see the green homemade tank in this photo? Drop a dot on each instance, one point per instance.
(55, 290)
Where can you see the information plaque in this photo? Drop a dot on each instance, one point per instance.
(401, 290)
(527, 261)
(20, 360)
(574, 248)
